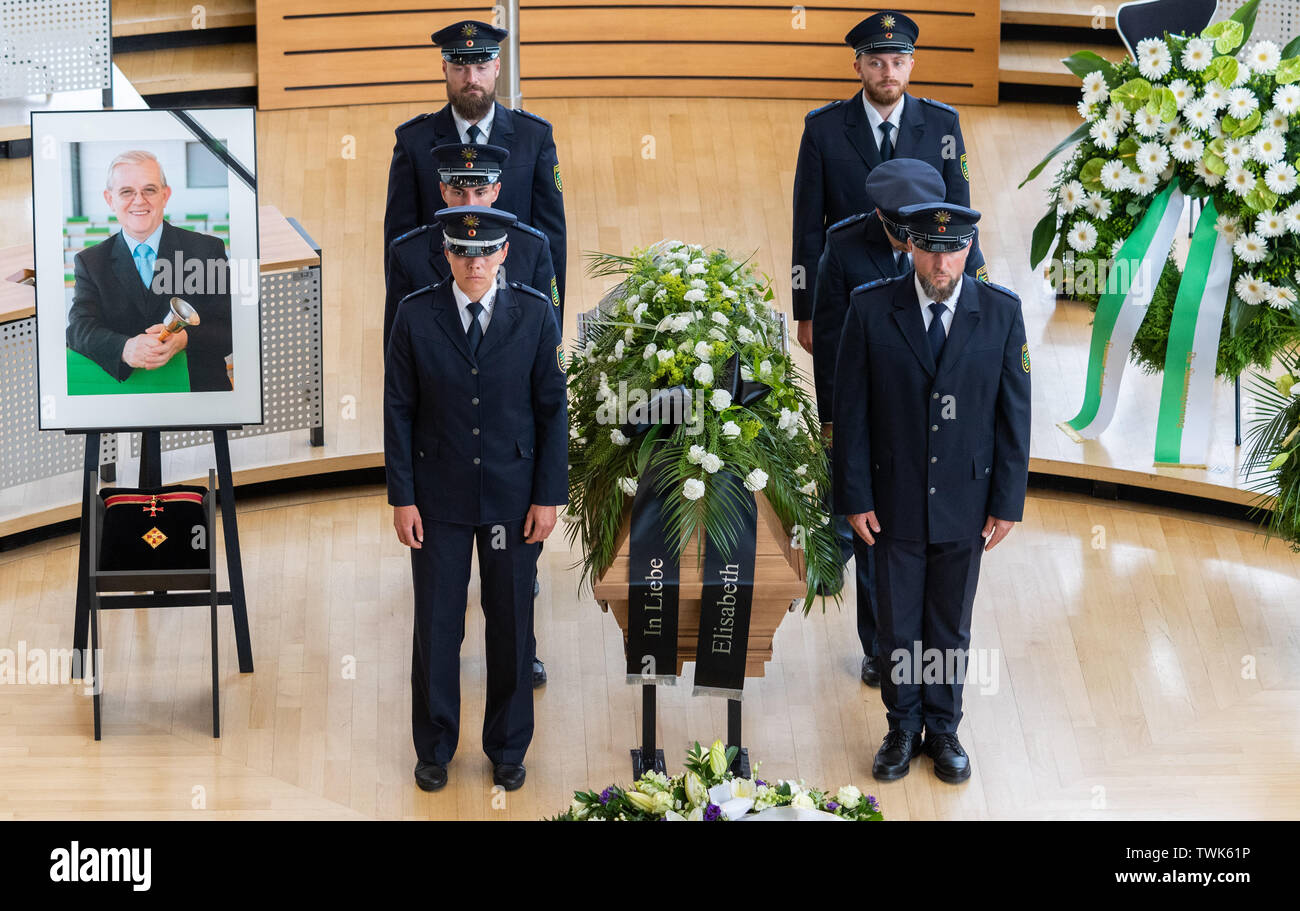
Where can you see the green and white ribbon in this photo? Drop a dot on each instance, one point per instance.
(1121, 311)
(1187, 392)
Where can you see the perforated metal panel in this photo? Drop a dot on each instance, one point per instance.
(1277, 21)
(53, 46)
(26, 454)
(292, 374)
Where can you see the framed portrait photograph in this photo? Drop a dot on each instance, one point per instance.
(147, 281)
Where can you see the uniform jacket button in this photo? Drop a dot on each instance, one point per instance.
(421, 453)
(931, 490)
(474, 401)
(475, 431)
(474, 371)
(987, 470)
(476, 461)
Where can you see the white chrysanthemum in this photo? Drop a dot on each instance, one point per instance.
(1281, 179)
(1267, 147)
(1086, 111)
(1236, 151)
(703, 350)
(744, 335)
(1287, 98)
(1118, 116)
(1281, 298)
(1154, 58)
(711, 463)
(1228, 227)
(695, 454)
(1072, 195)
(617, 438)
(694, 296)
(1170, 132)
(756, 480)
(698, 267)
(1141, 183)
(1094, 87)
(1187, 148)
(628, 486)
(1250, 248)
(1263, 57)
(1251, 290)
(703, 374)
(1152, 157)
(1198, 115)
(1242, 103)
(1197, 54)
(1083, 236)
(1103, 134)
(1275, 119)
(1216, 96)
(1292, 218)
(665, 355)
(1114, 176)
(1270, 224)
(720, 400)
(699, 283)
(693, 489)
(1097, 206)
(1239, 180)
(1147, 123)
(731, 430)
(1211, 179)
(720, 318)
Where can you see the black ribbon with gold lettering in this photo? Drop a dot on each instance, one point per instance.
(653, 582)
(727, 598)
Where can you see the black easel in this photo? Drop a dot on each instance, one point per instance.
(646, 758)
(151, 476)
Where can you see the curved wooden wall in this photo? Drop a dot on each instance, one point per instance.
(327, 52)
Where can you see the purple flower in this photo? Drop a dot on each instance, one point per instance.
(712, 812)
(832, 806)
(605, 796)
(760, 782)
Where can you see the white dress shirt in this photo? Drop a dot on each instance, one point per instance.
(462, 305)
(873, 117)
(950, 305)
(484, 125)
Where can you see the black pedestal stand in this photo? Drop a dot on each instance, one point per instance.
(646, 757)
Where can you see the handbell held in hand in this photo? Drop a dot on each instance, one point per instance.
(179, 316)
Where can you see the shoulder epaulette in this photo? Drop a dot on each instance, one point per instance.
(940, 105)
(824, 108)
(416, 119)
(409, 234)
(529, 289)
(866, 286)
(528, 229)
(530, 114)
(1007, 291)
(421, 290)
(852, 219)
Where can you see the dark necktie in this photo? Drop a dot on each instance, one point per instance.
(901, 262)
(935, 333)
(475, 331)
(886, 144)
(474, 133)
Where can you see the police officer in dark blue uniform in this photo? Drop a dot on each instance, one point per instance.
(844, 140)
(530, 183)
(931, 462)
(476, 452)
(469, 175)
(864, 248)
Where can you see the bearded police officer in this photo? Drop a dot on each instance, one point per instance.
(476, 450)
(864, 248)
(843, 141)
(530, 182)
(931, 462)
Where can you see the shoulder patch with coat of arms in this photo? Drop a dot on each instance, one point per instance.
(558, 185)
(555, 292)
(965, 168)
(1024, 356)
(559, 357)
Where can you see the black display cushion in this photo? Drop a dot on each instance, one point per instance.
(179, 529)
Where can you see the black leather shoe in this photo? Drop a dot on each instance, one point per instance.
(510, 777)
(870, 670)
(539, 672)
(951, 764)
(430, 776)
(894, 758)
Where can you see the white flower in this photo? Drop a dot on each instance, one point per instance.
(1154, 58)
(1216, 96)
(848, 797)
(695, 454)
(1282, 299)
(1094, 87)
(703, 375)
(694, 296)
(711, 463)
(810, 488)
(1152, 157)
(1072, 195)
(731, 430)
(1098, 206)
(1236, 151)
(745, 373)
(1187, 148)
(1270, 224)
(1083, 236)
(1251, 290)
(1118, 116)
(703, 350)
(649, 351)
(1141, 183)
(1183, 92)
(797, 536)
(1268, 147)
(676, 272)
(660, 294)
(665, 356)
(744, 335)
(1114, 176)
(618, 350)
(1281, 179)
(1287, 98)
(720, 318)
(693, 489)
(698, 267)
(1250, 248)
(756, 480)
(1239, 180)
(1171, 131)
(1197, 54)
(699, 284)
(616, 437)
(729, 293)
(1103, 134)
(787, 419)
(1292, 218)
(718, 334)
(1228, 227)
(803, 800)
(1263, 57)
(1275, 119)
(1198, 115)
(1147, 123)
(1211, 179)
(628, 486)
(1241, 103)
(720, 400)
(765, 370)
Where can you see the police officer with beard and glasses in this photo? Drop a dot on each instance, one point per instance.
(931, 463)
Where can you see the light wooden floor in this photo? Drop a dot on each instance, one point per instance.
(1119, 639)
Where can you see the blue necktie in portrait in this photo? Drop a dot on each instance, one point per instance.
(935, 333)
(475, 330)
(144, 260)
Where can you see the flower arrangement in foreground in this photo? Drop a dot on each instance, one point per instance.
(683, 316)
(708, 791)
(1274, 448)
(1225, 124)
